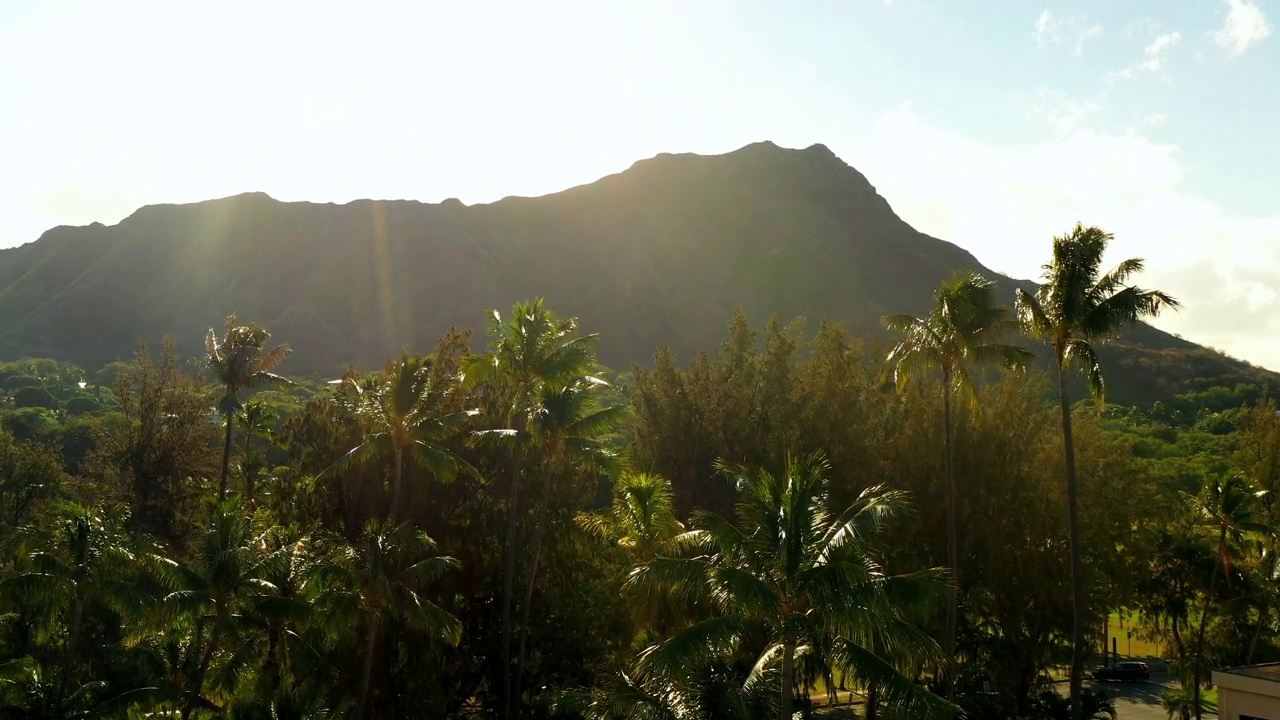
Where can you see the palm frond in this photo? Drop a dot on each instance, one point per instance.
(1032, 316)
(692, 646)
(269, 360)
(1081, 352)
(1120, 311)
(869, 671)
(373, 446)
(1113, 281)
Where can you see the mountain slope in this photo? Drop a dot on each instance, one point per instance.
(661, 253)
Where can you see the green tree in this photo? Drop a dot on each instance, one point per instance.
(381, 577)
(255, 420)
(281, 610)
(807, 578)
(567, 429)
(404, 408)
(30, 474)
(160, 445)
(641, 519)
(964, 329)
(1258, 456)
(1076, 307)
(530, 352)
(1231, 506)
(208, 598)
(89, 557)
(240, 361)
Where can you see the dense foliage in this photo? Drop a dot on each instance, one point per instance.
(513, 530)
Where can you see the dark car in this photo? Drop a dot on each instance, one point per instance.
(1125, 671)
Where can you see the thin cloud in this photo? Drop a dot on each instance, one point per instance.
(1154, 56)
(1049, 31)
(1245, 27)
(1061, 113)
(1089, 33)
(1045, 30)
(1159, 49)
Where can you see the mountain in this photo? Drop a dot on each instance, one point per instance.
(659, 254)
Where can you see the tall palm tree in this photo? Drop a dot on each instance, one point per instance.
(382, 577)
(566, 428)
(1231, 506)
(91, 557)
(530, 352)
(404, 407)
(964, 328)
(239, 361)
(1076, 307)
(805, 578)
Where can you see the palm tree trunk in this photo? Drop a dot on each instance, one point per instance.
(508, 584)
(1077, 546)
(200, 673)
(226, 462)
(1181, 649)
(271, 670)
(72, 646)
(370, 644)
(1204, 621)
(539, 536)
(952, 540)
(395, 483)
(248, 478)
(788, 677)
(1264, 613)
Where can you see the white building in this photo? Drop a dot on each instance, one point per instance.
(1249, 693)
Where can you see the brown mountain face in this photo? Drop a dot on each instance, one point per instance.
(659, 254)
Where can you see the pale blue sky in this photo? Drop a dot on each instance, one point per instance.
(991, 124)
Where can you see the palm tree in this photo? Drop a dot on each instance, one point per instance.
(284, 605)
(1231, 506)
(566, 427)
(255, 420)
(528, 353)
(380, 578)
(802, 577)
(964, 328)
(212, 596)
(91, 558)
(1076, 307)
(641, 519)
(240, 362)
(404, 407)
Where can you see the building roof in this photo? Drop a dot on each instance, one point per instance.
(1269, 671)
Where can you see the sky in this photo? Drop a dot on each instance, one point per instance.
(994, 125)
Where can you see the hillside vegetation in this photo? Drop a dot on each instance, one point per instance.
(502, 527)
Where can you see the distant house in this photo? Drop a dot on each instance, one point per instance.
(1249, 693)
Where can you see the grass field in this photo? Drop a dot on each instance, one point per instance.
(1140, 645)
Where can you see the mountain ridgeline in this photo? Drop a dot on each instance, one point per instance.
(662, 253)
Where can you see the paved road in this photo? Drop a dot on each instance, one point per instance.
(1140, 701)
(1136, 701)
